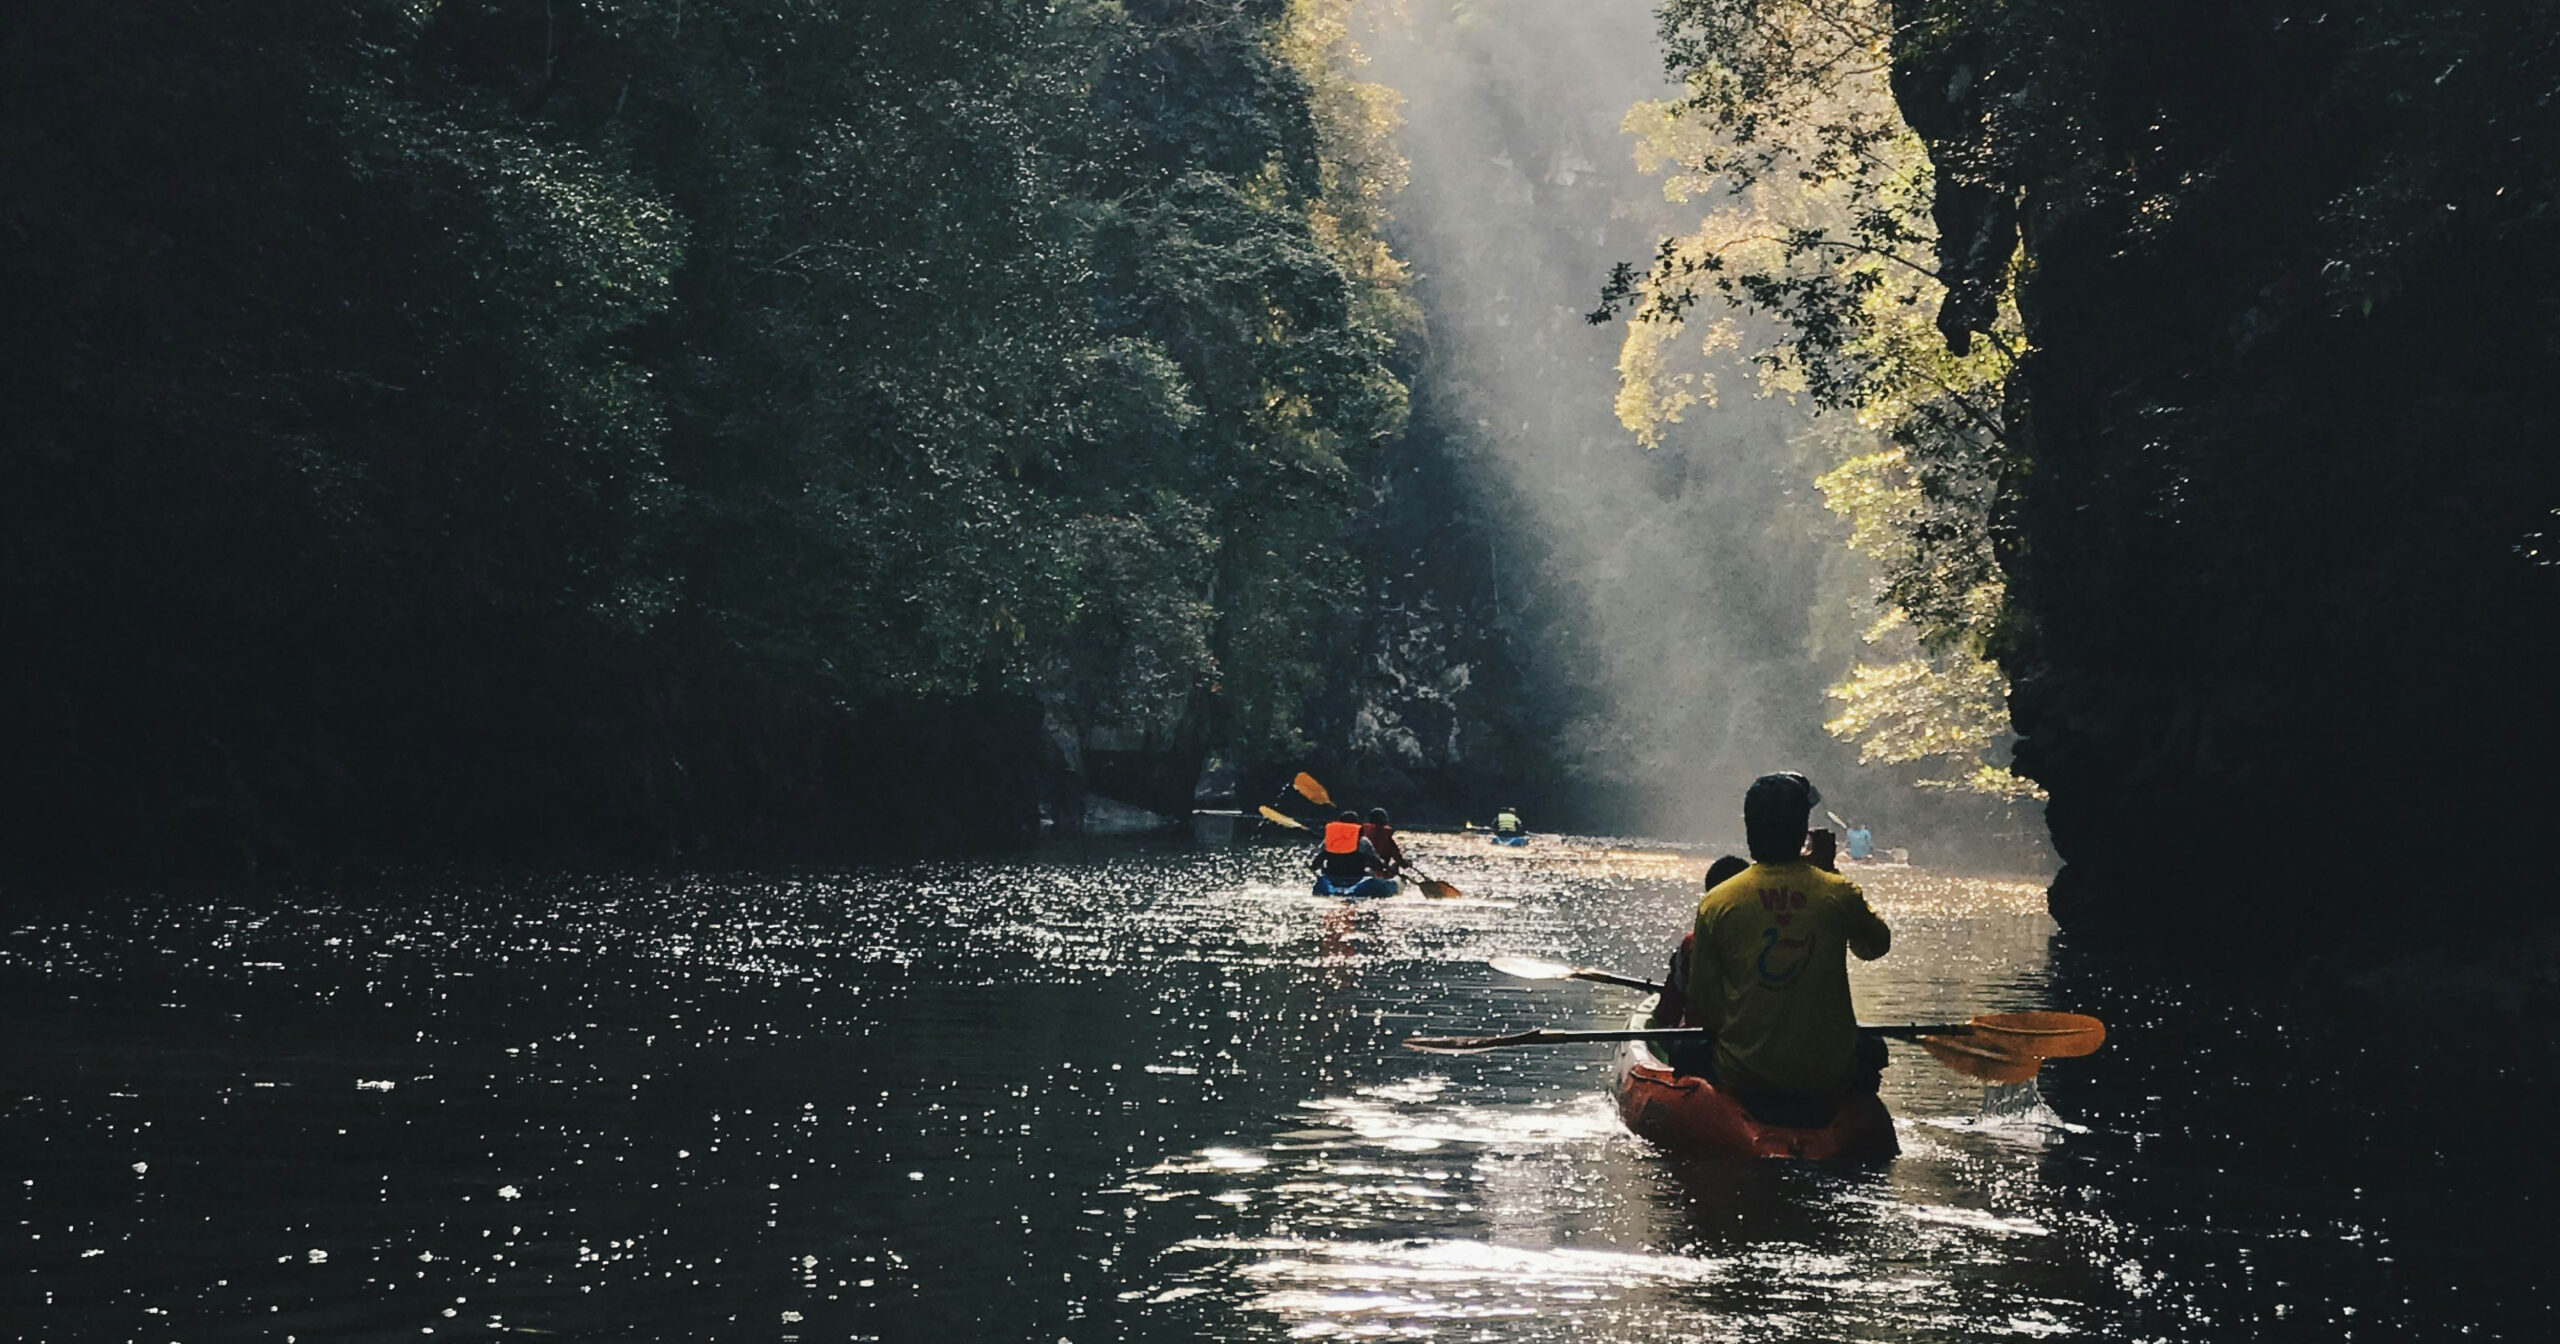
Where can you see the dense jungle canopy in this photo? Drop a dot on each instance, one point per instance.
(661, 428)
(439, 426)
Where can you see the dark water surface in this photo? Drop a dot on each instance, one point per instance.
(1157, 1096)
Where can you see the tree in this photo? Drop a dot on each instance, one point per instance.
(1822, 225)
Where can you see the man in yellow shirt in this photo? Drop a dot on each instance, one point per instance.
(1770, 974)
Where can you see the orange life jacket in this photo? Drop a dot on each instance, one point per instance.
(1342, 837)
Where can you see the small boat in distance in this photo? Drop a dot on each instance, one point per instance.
(1690, 1115)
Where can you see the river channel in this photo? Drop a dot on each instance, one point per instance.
(1156, 1095)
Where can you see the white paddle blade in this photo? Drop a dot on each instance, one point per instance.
(1530, 968)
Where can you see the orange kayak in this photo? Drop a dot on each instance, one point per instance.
(1690, 1115)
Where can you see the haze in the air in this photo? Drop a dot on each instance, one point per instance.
(1701, 563)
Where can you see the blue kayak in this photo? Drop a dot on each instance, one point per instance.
(1514, 840)
(1367, 886)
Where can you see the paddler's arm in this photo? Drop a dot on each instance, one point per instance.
(1704, 1009)
(1868, 936)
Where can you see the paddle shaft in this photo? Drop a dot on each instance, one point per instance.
(1613, 978)
(1898, 1031)
(1428, 882)
(1910, 1031)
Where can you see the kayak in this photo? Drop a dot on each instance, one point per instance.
(1691, 1115)
(1367, 886)
(1510, 839)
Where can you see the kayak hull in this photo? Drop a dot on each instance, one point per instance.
(1690, 1115)
(1364, 888)
(1512, 840)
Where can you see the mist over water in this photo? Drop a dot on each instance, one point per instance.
(1695, 569)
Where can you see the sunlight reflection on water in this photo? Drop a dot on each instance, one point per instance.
(1130, 1095)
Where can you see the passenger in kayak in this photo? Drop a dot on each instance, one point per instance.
(1344, 855)
(1672, 1009)
(1769, 974)
(1382, 838)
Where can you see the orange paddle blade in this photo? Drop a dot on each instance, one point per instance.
(1440, 891)
(1306, 785)
(2049, 1035)
(1279, 818)
(1975, 1058)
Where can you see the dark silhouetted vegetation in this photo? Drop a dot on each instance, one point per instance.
(2270, 483)
(657, 425)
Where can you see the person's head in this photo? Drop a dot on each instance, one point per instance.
(1774, 812)
(1725, 867)
(1377, 816)
(1349, 816)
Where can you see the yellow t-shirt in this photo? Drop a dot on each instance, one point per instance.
(1770, 976)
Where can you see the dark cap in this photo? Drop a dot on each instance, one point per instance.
(1774, 812)
(1785, 790)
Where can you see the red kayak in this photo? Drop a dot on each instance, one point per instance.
(1690, 1115)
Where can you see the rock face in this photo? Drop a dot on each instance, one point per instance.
(2285, 609)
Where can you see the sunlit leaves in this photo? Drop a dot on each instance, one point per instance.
(1818, 215)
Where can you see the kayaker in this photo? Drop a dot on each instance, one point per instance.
(1769, 973)
(1861, 842)
(1507, 821)
(1344, 855)
(1382, 837)
(1672, 1008)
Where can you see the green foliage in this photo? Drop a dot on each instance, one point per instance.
(2275, 469)
(1821, 217)
(445, 388)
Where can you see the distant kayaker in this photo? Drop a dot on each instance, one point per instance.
(1861, 842)
(1382, 837)
(1672, 1009)
(1344, 855)
(1769, 973)
(1507, 821)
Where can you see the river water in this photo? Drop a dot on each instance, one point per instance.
(1156, 1095)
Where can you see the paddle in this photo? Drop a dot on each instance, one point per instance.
(1993, 1047)
(1307, 787)
(1530, 968)
(1315, 793)
(1434, 887)
(1431, 886)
